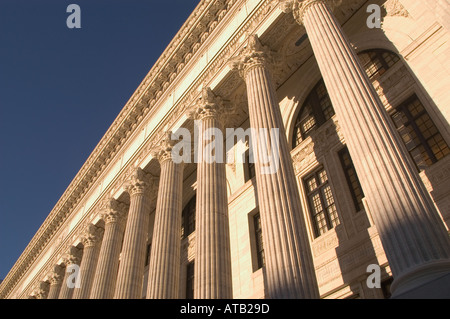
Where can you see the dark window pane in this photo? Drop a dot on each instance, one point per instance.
(352, 179)
(377, 62)
(147, 254)
(259, 240)
(190, 281)
(419, 134)
(321, 202)
(316, 110)
(188, 218)
(250, 171)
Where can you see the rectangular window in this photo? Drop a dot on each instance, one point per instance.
(188, 218)
(421, 137)
(249, 170)
(190, 281)
(258, 240)
(321, 202)
(352, 179)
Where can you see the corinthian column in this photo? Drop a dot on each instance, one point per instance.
(289, 266)
(72, 258)
(56, 279)
(413, 236)
(113, 213)
(164, 269)
(132, 262)
(91, 240)
(212, 272)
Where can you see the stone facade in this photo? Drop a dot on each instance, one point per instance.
(136, 224)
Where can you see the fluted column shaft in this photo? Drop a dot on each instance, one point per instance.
(212, 270)
(73, 257)
(289, 266)
(105, 277)
(164, 269)
(56, 279)
(132, 262)
(55, 288)
(413, 236)
(65, 292)
(92, 244)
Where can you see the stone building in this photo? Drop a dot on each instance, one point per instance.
(362, 173)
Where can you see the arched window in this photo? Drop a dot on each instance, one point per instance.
(376, 62)
(316, 110)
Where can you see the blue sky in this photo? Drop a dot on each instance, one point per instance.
(60, 90)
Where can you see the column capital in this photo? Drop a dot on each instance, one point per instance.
(56, 275)
(42, 289)
(210, 105)
(112, 211)
(72, 257)
(163, 149)
(140, 182)
(253, 55)
(300, 7)
(91, 235)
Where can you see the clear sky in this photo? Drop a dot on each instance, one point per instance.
(60, 90)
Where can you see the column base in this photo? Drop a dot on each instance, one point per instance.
(428, 282)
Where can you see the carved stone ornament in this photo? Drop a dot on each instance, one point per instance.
(91, 235)
(211, 105)
(163, 149)
(299, 7)
(56, 275)
(253, 55)
(42, 289)
(112, 211)
(140, 182)
(395, 9)
(72, 257)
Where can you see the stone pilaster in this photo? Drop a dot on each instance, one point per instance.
(130, 277)
(91, 240)
(164, 269)
(113, 213)
(289, 266)
(56, 279)
(413, 236)
(72, 258)
(212, 273)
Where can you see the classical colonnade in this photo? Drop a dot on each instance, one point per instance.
(414, 238)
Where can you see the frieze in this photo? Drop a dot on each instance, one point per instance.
(437, 174)
(323, 245)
